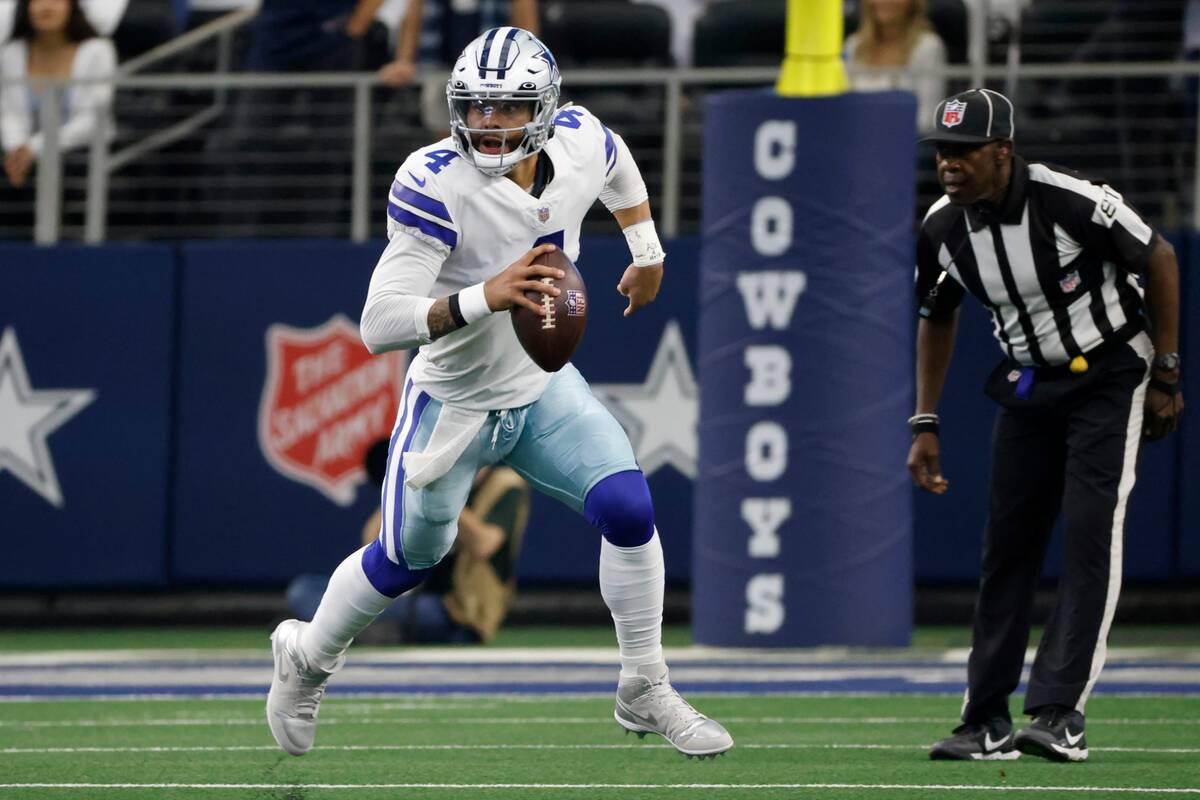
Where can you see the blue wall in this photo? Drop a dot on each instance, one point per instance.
(141, 368)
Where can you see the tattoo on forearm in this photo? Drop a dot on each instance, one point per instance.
(440, 320)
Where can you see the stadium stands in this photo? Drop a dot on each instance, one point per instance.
(199, 182)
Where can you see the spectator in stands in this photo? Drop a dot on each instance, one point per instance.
(135, 26)
(684, 14)
(466, 596)
(894, 34)
(52, 39)
(318, 35)
(436, 31)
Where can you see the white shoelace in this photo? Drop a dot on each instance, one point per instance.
(681, 717)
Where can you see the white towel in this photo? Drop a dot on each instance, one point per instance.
(452, 433)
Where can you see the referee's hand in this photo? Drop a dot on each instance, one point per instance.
(924, 464)
(1162, 414)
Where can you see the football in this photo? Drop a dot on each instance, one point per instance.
(551, 339)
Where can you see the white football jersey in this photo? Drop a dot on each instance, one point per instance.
(482, 224)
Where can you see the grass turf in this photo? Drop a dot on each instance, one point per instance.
(871, 746)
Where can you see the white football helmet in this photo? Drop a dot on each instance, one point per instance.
(504, 66)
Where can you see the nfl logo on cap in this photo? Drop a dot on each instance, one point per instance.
(952, 114)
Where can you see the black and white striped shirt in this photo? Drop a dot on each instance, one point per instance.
(1057, 264)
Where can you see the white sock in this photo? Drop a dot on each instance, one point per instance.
(350, 604)
(631, 583)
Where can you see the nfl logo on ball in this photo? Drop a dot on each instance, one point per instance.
(576, 303)
(952, 114)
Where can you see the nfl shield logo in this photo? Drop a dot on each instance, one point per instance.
(952, 114)
(543, 213)
(1070, 283)
(576, 303)
(325, 401)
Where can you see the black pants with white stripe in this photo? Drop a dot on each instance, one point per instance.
(1071, 446)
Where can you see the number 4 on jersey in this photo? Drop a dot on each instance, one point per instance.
(569, 118)
(438, 159)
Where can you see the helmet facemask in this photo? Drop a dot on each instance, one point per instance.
(504, 135)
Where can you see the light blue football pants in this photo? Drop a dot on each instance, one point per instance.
(564, 443)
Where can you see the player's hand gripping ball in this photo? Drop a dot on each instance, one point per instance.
(550, 338)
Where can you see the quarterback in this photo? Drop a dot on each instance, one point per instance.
(466, 218)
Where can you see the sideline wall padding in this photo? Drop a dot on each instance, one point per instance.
(85, 431)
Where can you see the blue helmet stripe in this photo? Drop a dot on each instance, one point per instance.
(487, 51)
(508, 40)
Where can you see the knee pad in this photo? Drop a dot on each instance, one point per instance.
(620, 507)
(388, 577)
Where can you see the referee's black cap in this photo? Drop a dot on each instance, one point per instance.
(976, 115)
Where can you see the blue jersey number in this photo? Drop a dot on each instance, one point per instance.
(557, 239)
(569, 118)
(438, 159)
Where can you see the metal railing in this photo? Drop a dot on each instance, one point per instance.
(667, 145)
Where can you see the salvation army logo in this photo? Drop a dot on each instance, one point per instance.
(326, 400)
(952, 114)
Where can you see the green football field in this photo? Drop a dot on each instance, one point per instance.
(525, 746)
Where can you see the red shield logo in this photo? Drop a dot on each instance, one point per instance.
(325, 401)
(952, 114)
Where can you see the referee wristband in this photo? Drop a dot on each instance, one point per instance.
(469, 305)
(1169, 389)
(643, 243)
(924, 423)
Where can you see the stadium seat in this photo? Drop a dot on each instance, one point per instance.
(949, 19)
(741, 33)
(607, 33)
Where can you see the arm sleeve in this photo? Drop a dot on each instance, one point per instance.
(396, 314)
(623, 184)
(938, 294)
(89, 103)
(416, 207)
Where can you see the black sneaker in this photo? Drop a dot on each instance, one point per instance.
(1056, 733)
(978, 741)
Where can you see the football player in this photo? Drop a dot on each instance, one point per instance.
(466, 217)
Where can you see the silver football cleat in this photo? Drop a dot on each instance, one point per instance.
(296, 691)
(648, 704)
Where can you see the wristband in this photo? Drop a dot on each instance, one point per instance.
(924, 423)
(472, 304)
(455, 311)
(643, 243)
(1169, 389)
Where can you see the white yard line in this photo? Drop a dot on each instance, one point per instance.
(916, 787)
(594, 720)
(437, 747)
(572, 655)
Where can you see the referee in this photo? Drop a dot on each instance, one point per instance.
(1084, 296)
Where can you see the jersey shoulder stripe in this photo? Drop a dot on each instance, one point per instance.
(411, 197)
(402, 216)
(1043, 173)
(610, 150)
